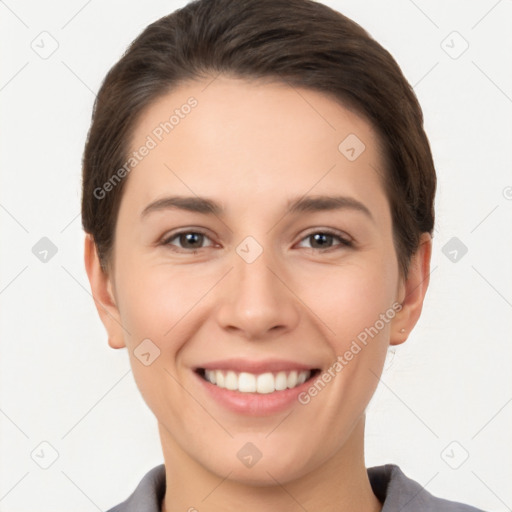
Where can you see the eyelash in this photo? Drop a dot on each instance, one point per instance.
(345, 242)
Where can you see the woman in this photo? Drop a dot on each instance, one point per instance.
(258, 197)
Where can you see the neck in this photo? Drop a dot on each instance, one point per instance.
(340, 483)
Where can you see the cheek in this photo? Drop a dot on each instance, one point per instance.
(349, 298)
(155, 299)
(364, 322)
(155, 304)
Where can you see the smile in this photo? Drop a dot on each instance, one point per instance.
(263, 383)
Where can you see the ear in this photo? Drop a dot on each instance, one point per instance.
(101, 287)
(412, 291)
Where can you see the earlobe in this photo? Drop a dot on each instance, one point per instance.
(101, 288)
(413, 291)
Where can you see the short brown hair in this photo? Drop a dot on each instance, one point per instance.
(300, 42)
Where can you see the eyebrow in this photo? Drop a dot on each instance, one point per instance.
(303, 204)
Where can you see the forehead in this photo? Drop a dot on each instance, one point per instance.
(256, 107)
(233, 136)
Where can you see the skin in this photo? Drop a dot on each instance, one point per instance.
(252, 146)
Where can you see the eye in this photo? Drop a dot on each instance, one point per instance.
(189, 240)
(323, 240)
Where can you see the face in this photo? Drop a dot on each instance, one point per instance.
(278, 267)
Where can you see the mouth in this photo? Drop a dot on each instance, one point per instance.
(261, 383)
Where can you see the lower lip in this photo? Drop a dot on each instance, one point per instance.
(254, 404)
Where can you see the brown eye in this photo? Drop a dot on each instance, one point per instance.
(188, 240)
(324, 239)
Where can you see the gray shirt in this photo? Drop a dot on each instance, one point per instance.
(396, 492)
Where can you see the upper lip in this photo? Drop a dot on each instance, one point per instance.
(256, 367)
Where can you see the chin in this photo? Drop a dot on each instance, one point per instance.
(264, 462)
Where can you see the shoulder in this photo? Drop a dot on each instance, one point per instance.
(397, 492)
(148, 495)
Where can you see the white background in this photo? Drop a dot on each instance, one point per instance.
(61, 383)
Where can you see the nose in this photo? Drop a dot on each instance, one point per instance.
(257, 301)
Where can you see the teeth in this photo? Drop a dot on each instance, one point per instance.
(281, 381)
(247, 383)
(231, 381)
(263, 383)
(292, 379)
